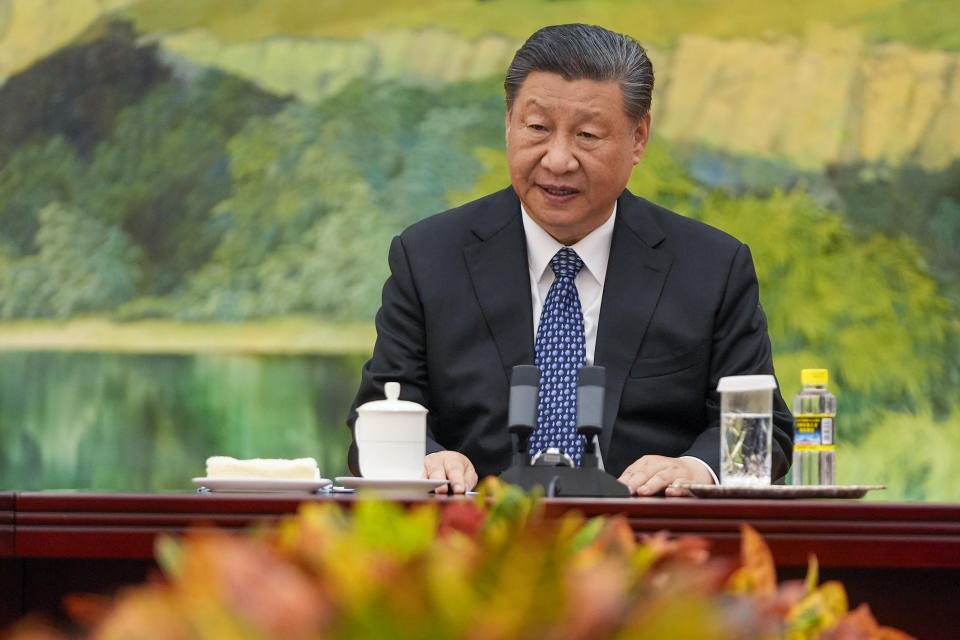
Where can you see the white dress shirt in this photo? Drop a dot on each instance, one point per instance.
(594, 250)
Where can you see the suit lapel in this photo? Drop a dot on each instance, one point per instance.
(497, 263)
(635, 276)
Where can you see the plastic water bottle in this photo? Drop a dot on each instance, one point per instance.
(815, 411)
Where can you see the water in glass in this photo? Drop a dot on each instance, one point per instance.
(745, 448)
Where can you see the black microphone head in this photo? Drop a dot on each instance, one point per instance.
(591, 376)
(524, 390)
(590, 392)
(527, 375)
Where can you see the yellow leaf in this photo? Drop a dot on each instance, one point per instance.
(757, 575)
(819, 610)
(813, 573)
(834, 597)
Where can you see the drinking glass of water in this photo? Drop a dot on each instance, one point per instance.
(746, 429)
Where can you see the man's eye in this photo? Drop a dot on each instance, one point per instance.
(587, 135)
(538, 127)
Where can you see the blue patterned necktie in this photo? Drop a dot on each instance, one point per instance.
(560, 352)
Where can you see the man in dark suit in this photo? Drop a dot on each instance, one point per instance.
(669, 305)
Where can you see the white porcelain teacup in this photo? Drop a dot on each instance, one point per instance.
(391, 437)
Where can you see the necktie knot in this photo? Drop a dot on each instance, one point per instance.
(566, 263)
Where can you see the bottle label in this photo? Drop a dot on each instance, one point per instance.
(814, 431)
(826, 430)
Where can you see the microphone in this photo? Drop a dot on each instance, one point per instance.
(590, 393)
(559, 480)
(522, 411)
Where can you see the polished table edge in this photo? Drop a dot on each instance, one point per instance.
(847, 533)
(274, 502)
(7, 524)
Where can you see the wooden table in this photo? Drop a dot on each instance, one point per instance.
(902, 558)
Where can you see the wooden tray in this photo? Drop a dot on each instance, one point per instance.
(780, 491)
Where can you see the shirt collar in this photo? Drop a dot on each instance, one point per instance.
(593, 249)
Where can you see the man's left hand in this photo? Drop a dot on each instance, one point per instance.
(652, 474)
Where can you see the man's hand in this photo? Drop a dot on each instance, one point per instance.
(652, 474)
(455, 467)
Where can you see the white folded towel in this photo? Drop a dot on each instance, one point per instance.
(279, 469)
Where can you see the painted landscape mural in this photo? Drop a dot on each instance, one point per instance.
(197, 196)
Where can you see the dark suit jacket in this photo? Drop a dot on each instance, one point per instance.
(679, 310)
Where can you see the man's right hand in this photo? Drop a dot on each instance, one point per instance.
(453, 467)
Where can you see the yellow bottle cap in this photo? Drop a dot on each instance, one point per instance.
(817, 377)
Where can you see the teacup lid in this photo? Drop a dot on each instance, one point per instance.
(392, 404)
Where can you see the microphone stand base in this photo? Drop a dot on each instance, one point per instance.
(567, 482)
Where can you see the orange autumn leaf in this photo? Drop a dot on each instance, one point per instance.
(148, 612)
(616, 537)
(757, 574)
(88, 609)
(687, 548)
(464, 517)
(860, 624)
(32, 628)
(284, 603)
(599, 592)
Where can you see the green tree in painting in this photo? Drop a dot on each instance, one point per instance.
(89, 266)
(924, 204)
(300, 219)
(151, 183)
(319, 193)
(81, 266)
(912, 453)
(165, 166)
(34, 177)
(414, 144)
(863, 306)
(239, 212)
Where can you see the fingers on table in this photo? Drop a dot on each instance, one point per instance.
(461, 474)
(434, 470)
(678, 492)
(650, 475)
(455, 468)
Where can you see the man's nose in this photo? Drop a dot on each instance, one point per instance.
(560, 157)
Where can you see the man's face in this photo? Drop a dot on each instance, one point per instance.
(571, 149)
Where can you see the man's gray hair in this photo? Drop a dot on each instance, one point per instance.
(586, 52)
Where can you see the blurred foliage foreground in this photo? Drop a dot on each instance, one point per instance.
(492, 568)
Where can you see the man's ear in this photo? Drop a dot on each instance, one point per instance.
(641, 136)
(506, 127)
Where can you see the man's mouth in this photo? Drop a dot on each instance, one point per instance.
(558, 191)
